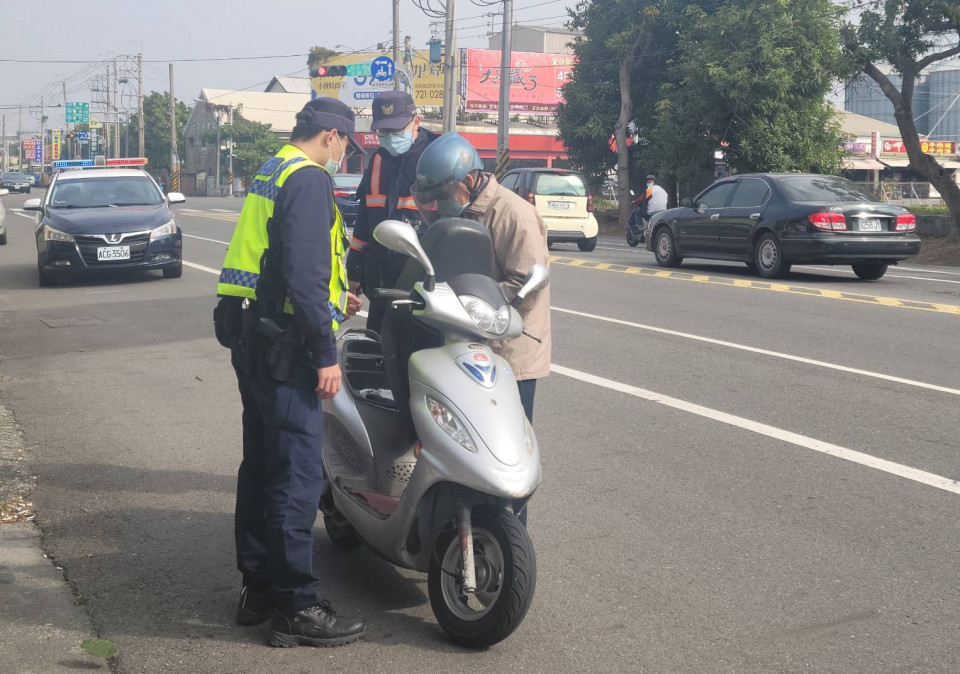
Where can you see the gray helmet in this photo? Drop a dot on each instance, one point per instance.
(446, 160)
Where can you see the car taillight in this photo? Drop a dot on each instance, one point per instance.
(590, 204)
(828, 222)
(906, 222)
(530, 198)
(341, 193)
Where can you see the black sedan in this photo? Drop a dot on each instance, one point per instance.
(15, 182)
(345, 194)
(772, 221)
(106, 219)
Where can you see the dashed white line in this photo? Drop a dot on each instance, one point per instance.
(929, 271)
(765, 352)
(25, 215)
(898, 469)
(912, 278)
(194, 265)
(221, 210)
(203, 238)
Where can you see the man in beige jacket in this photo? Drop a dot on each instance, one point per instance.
(451, 183)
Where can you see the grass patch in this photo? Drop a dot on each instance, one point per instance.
(929, 210)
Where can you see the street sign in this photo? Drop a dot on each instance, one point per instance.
(38, 151)
(77, 113)
(82, 135)
(381, 69)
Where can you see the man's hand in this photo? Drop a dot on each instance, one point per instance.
(353, 304)
(328, 381)
(355, 288)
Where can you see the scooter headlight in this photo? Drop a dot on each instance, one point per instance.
(451, 425)
(484, 316)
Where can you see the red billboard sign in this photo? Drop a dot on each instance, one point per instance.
(941, 147)
(535, 81)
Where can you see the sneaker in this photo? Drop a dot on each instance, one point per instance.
(255, 607)
(315, 626)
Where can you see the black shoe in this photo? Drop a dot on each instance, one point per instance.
(316, 626)
(255, 607)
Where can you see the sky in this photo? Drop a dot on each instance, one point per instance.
(98, 30)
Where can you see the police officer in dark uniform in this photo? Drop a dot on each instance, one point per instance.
(384, 194)
(284, 293)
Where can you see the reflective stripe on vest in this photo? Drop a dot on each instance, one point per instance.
(376, 199)
(241, 266)
(407, 202)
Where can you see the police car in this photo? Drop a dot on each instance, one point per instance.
(105, 215)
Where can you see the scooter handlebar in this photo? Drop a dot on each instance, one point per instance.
(392, 294)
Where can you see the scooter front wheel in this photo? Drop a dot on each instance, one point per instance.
(506, 570)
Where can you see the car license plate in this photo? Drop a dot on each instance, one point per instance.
(560, 205)
(113, 253)
(870, 225)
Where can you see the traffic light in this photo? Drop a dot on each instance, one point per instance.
(329, 71)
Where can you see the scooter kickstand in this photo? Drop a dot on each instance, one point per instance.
(466, 549)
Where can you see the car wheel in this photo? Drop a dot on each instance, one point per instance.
(665, 248)
(46, 278)
(173, 272)
(632, 242)
(769, 258)
(549, 245)
(587, 245)
(870, 271)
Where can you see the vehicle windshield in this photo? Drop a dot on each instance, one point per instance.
(105, 192)
(560, 185)
(346, 180)
(14, 176)
(823, 189)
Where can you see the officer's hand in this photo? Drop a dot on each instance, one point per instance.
(355, 288)
(353, 304)
(328, 381)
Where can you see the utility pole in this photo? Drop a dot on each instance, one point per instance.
(43, 148)
(143, 152)
(218, 152)
(66, 126)
(503, 111)
(6, 146)
(116, 111)
(174, 161)
(106, 121)
(230, 189)
(20, 138)
(449, 73)
(396, 42)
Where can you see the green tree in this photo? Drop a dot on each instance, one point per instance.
(156, 130)
(910, 35)
(318, 55)
(253, 144)
(752, 78)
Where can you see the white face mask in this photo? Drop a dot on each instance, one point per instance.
(333, 165)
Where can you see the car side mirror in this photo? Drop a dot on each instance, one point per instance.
(687, 203)
(402, 238)
(175, 198)
(31, 205)
(537, 278)
(4, 193)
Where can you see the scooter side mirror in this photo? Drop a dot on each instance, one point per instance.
(537, 278)
(402, 238)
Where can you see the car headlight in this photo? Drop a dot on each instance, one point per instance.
(168, 229)
(51, 234)
(484, 316)
(451, 425)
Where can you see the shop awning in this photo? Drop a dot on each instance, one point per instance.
(949, 163)
(895, 163)
(862, 164)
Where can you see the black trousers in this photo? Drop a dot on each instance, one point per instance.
(528, 388)
(279, 483)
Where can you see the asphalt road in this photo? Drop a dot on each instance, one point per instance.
(738, 476)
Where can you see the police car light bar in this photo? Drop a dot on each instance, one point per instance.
(128, 161)
(72, 163)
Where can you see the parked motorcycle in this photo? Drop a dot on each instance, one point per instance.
(635, 227)
(427, 451)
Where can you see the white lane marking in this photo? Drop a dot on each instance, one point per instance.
(203, 238)
(24, 215)
(848, 271)
(900, 470)
(929, 271)
(189, 210)
(194, 265)
(765, 352)
(221, 210)
(103, 292)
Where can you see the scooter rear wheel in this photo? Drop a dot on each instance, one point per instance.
(506, 579)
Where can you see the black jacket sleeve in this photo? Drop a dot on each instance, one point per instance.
(304, 209)
(362, 233)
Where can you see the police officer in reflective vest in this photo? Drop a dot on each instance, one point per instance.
(384, 194)
(284, 293)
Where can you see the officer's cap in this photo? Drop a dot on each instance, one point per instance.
(329, 113)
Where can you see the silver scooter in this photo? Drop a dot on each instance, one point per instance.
(429, 466)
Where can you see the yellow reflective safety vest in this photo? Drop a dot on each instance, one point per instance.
(241, 266)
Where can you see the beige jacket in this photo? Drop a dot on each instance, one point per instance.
(519, 241)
